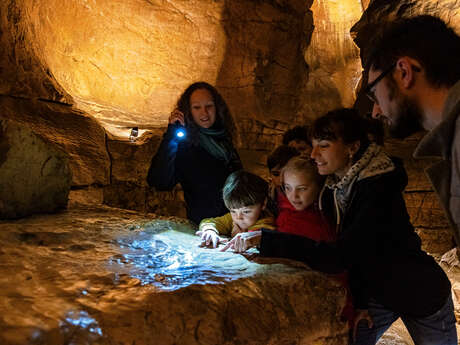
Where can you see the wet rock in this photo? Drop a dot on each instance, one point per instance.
(34, 174)
(102, 275)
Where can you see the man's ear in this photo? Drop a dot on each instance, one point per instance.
(405, 71)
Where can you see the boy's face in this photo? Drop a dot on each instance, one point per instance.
(246, 216)
(300, 189)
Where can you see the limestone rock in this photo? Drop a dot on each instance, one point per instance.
(380, 11)
(131, 161)
(23, 71)
(129, 167)
(105, 276)
(126, 63)
(34, 174)
(73, 132)
(332, 57)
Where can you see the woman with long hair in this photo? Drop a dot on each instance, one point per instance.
(203, 157)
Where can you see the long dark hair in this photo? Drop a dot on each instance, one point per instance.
(223, 117)
(345, 124)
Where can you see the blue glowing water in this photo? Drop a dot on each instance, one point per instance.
(173, 259)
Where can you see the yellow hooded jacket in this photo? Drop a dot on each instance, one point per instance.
(224, 225)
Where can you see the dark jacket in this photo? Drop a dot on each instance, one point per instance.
(377, 245)
(201, 175)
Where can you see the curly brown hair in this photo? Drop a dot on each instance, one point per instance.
(223, 116)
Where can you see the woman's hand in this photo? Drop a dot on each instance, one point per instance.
(209, 238)
(175, 116)
(243, 241)
(362, 315)
(236, 230)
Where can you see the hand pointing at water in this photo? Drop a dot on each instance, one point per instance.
(243, 241)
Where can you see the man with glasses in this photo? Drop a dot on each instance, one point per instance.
(414, 82)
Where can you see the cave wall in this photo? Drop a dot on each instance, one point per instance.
(112, 65)
(126, 62)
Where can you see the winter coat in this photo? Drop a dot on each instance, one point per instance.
(377, 245)
(444, 142)
(201, 175)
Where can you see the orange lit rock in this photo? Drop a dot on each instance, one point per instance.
(333, 58)
(131, 56)
(127, 62)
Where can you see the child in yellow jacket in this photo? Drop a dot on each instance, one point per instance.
(245, 195)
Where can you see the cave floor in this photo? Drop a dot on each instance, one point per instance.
(120, 265)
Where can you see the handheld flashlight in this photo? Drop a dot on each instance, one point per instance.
(180, 131)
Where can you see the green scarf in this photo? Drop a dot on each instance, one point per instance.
(217, 143)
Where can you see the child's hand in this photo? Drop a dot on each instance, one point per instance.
(209, 238)
(243, 241)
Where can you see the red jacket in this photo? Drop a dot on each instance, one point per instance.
(312, 224)
(309, 222)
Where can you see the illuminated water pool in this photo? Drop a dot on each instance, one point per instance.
(172, 259)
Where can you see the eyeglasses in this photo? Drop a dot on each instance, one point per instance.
(369, 88)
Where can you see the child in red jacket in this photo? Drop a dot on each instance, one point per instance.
(298, 211)
(299, 214)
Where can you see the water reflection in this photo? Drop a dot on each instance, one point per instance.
(172, 259)
(79, 328)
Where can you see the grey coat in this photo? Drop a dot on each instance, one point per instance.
(444, 142)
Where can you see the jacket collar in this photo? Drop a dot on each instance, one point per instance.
(437, 142)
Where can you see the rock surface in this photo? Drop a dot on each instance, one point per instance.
(106, 276)
(34, 174)
(126, 62)
(71, 131)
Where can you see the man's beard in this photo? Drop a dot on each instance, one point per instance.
(408, 119)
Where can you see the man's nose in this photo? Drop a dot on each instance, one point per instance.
(376, 111)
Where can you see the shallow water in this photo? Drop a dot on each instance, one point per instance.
(171, 259)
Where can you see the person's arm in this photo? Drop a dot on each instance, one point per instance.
(162, 174)
(321, 256)
(221, 225)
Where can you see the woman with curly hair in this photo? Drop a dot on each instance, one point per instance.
(202, 159)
